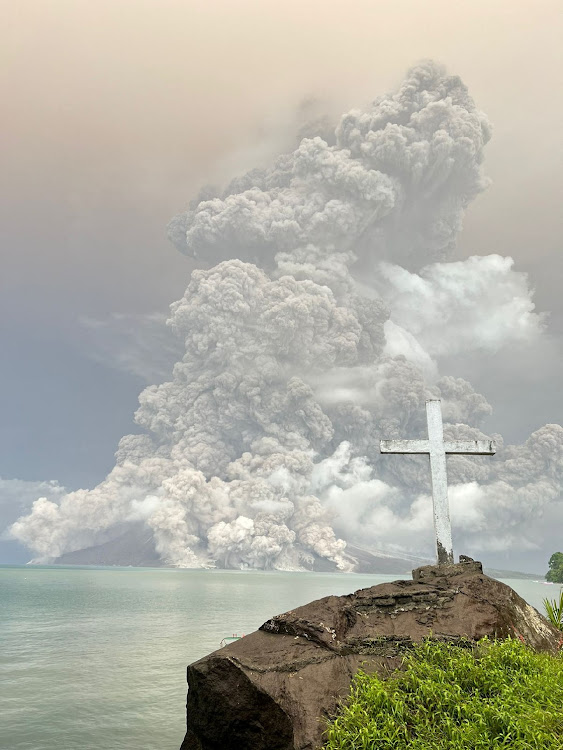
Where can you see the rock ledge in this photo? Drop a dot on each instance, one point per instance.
(274, 689)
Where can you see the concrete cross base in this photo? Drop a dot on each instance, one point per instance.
(428, 573)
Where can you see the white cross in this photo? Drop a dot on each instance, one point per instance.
(437, 448)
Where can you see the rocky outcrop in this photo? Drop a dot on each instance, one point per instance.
(274, 689)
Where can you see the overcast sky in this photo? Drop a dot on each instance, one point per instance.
(115, 112)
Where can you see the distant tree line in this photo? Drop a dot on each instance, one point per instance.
(555, 572)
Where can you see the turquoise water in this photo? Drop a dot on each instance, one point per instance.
(95, 658)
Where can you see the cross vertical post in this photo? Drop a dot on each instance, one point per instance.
(437, 449)
(442, 525)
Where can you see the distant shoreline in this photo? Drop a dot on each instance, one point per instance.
(491, 572)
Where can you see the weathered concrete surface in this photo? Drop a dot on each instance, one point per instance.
(273, 689)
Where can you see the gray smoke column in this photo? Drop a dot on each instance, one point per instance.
(314, 328)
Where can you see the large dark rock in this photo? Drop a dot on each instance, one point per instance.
(274, 689)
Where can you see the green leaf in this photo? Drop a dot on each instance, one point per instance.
(492, 696)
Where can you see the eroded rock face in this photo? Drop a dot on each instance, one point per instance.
(275, 689)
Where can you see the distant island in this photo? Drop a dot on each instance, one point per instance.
(135, 547)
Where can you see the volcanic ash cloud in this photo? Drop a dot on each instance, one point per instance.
(314, 327)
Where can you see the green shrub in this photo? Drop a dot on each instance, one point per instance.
(497, 695)
(554, 610)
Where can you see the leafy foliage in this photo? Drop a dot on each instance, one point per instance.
(498, 695)
(554, 610)
(555, 572)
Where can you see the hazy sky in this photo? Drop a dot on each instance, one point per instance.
(116, 111)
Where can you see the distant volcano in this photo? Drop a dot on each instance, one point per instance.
(136, 547)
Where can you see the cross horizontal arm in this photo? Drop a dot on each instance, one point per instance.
(470, 447)
(467, 447)
(404, 446)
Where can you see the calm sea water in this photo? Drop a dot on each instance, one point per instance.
(95, 658)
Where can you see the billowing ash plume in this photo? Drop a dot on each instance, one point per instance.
(315, 328)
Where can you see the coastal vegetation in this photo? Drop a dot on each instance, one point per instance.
(555, 572)
(495, 695)
(554, 611)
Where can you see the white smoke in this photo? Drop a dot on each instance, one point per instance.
(17, 497)
(319, 330)
(495, 504)
(475, 304)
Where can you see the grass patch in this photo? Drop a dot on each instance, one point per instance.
(496, 695)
